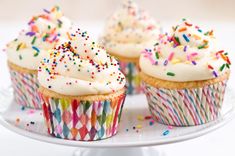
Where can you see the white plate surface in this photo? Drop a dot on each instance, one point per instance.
(29, 123)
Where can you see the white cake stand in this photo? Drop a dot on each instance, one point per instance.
(137, 136)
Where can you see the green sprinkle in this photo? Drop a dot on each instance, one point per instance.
(120, 25)
(227, 65)
(59, 25)
(20, 57)
(225, 53)
(202, 46)
(170, 74)
(156, 44)
(222, 67)
(177, 39)
(45, 37)
(36, 54)
(49, 27)
(18, 47)
(157, 55)
(34, 39)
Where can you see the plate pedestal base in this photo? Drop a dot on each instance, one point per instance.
(137, 151)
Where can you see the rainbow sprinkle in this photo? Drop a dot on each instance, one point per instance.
(195, 43)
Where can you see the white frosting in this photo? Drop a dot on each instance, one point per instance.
(129, 31)
(43, 33)
(196, 57)
(80, 67)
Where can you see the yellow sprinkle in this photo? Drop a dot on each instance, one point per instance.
(175, 61)
(139, 126)
(22, 45)
(196, 37)
(187, 62)
(181, 47)
(140, 117)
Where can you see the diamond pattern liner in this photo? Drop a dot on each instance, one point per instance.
(82, 120)
(133, 81)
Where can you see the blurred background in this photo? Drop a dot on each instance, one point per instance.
(91, 15)
(222, 10)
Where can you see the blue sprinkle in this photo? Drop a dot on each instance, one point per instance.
(186, 38)
(151, 123)
(22, 108)
(35, 48)
(165, 132)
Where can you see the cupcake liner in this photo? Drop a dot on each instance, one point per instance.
(25, 87)
(186, 107)
(133, 81)
(75, 119)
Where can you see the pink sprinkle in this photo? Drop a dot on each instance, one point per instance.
(194, 54)
(31, 111)
(170, 127)
(171, 56)
(188, 57)
(150, 58)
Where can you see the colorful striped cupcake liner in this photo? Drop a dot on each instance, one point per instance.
(186, 107)
(133, 81)
(25, 89)
(73, 119)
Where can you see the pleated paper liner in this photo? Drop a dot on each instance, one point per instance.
(182, 106)
(25, 85)
(86, 118)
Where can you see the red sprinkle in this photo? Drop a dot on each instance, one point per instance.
(148, 117)
(210, 67)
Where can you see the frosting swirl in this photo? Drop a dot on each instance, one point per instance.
(80, 67)
(129, 31)
(43, 33)
(187, 54)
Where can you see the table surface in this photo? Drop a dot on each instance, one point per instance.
(220, 142)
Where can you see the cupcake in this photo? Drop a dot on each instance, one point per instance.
(185, 76)
(125, 36)
(82, 90)
(28, 49)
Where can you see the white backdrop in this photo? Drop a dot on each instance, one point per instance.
(221, 10)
